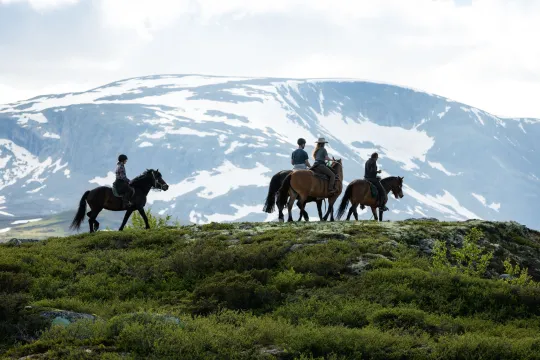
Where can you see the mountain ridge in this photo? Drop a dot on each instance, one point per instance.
(221, 138)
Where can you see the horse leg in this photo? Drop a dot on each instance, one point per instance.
(292, 198)
(280, 210)
(143, 215)
(330, 209)
(374, 211)
(302, 205)
(352, 211)
(380, 214)
(319, 209)
(355, 212)
(92, 215)
(126, 217)
(299, 208)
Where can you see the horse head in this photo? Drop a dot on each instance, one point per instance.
(152, 178)
(397, 187)
(158, 182)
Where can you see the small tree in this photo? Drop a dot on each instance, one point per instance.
(155, 222)
(468, 260)
(518, 276)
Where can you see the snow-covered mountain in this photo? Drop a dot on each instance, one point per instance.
(218, 141)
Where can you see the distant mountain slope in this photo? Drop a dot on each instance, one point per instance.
(218, 141)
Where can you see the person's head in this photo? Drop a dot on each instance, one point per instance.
(320, 144)
(301, 143)
(375, 156)
(122, 159)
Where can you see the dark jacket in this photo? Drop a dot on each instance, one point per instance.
(371, 169)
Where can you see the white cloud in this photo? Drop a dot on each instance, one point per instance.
(484, 54)
(40, 5)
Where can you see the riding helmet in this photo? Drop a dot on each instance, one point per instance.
(122, 158)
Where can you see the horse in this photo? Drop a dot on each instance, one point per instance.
(358, 192)
(305, 184)
(270, 202)
(102, 197)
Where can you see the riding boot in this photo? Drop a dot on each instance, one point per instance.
(381, 203)
(126, 199)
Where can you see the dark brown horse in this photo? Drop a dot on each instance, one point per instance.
(359, 193)
(102, 197)
(270, 203)
(304, 184)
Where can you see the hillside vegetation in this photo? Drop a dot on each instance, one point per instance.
(343, 290)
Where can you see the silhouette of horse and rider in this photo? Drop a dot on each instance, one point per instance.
(304, 183)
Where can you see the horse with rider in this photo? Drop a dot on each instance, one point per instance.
(324, 180)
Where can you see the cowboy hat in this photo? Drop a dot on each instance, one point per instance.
(322, 140)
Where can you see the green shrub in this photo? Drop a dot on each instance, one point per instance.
(468, 259)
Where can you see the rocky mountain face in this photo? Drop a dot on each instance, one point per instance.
(219, 140)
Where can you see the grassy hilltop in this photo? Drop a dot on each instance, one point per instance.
(343, 290)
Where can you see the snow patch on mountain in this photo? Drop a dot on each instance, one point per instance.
(440, 167)
(483, 201)
(396, 143)
(215, 183)
(107, 180)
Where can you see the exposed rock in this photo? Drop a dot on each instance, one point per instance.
(426, 245)
(64, 317)
(360, 266)
(273, 351)
(17, 242)
(422, 219)
(506, 277)
(392, 243)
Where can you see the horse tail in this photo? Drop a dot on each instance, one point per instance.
(81, 212)
(270, 202)
(284, 190)
(344, 201)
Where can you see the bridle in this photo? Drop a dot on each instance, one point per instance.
(157, 184)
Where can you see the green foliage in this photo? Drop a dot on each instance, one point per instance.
(258, 291)
(155, 221)
(518, 276)
(470, 259)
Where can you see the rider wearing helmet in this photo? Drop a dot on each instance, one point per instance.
(299, 157)
(371, 175)
(122, 182)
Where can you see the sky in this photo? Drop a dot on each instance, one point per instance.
(480, 52)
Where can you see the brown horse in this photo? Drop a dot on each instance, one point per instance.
(305, 184)
(270, 203)
(102, 197)
(358, 192)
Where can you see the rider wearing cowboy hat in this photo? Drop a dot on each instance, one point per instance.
(321, 157)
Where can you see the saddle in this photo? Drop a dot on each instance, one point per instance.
(115, 192)
(322, 176)
(373, 188)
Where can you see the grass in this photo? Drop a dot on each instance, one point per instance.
(261, 291)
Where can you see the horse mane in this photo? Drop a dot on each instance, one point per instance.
(141, 177)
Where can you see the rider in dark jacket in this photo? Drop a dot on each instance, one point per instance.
(121, 183)
(371, 175)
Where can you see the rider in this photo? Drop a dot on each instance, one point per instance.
(121, 184)
(371, 175)
(299, 157)
(321, 156)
